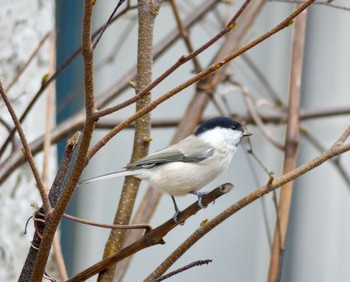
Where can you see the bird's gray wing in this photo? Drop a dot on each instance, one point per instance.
(184, 151)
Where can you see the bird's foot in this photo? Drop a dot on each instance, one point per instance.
(176, 219)
(200, 196)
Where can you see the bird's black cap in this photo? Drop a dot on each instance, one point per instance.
(223, 122)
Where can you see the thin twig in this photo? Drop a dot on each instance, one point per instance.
(107, 23)
(49, 110)
(343, 138)
(59, 259)
(257, 119)
(119, 43)
(182, 269)
(314, 141)
(263, 81)
(185, 35)
(147, 227)
(26, 151)
(304, 115)
(250, 151)
(14, 140)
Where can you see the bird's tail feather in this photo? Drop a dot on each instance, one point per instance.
(106, 176)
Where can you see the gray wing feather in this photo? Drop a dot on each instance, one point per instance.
(184, 151)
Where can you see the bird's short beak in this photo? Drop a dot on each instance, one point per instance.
(247, 133)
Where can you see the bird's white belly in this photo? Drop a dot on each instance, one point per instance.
(180, 178)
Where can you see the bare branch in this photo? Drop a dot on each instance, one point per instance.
(54, 194)
(107, 23)
(49, 110)
(26, 151)
(291, 146)
(54, 218)
(316, 143)
(153, 237)
(182, 269)
(253, 112)
(109, 226)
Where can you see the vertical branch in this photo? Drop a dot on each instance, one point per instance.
(291, 146)
(48, 118)
(58, 256)
(147, 12)
(54, 218)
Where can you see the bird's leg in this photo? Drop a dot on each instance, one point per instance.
(176, 211)
(200, 196)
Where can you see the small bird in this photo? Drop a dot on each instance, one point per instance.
(189, 165)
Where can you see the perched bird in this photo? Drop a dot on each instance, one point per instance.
(189, 165)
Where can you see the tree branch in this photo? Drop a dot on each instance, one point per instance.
(26, 151)
(290, 147)
(182, 269)
(153, 237)
(54, 218)
(54, 195)
(147, 13)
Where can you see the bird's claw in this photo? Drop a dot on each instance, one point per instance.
(200, 204)
(176, 220)
(200, 196)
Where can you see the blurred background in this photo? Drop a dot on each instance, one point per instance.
(317, 246)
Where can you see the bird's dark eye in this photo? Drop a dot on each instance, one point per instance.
(233, 127)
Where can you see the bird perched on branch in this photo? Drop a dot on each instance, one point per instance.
(189, 165)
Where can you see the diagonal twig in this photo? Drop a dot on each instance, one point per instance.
(182, 269)
(27, 152)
